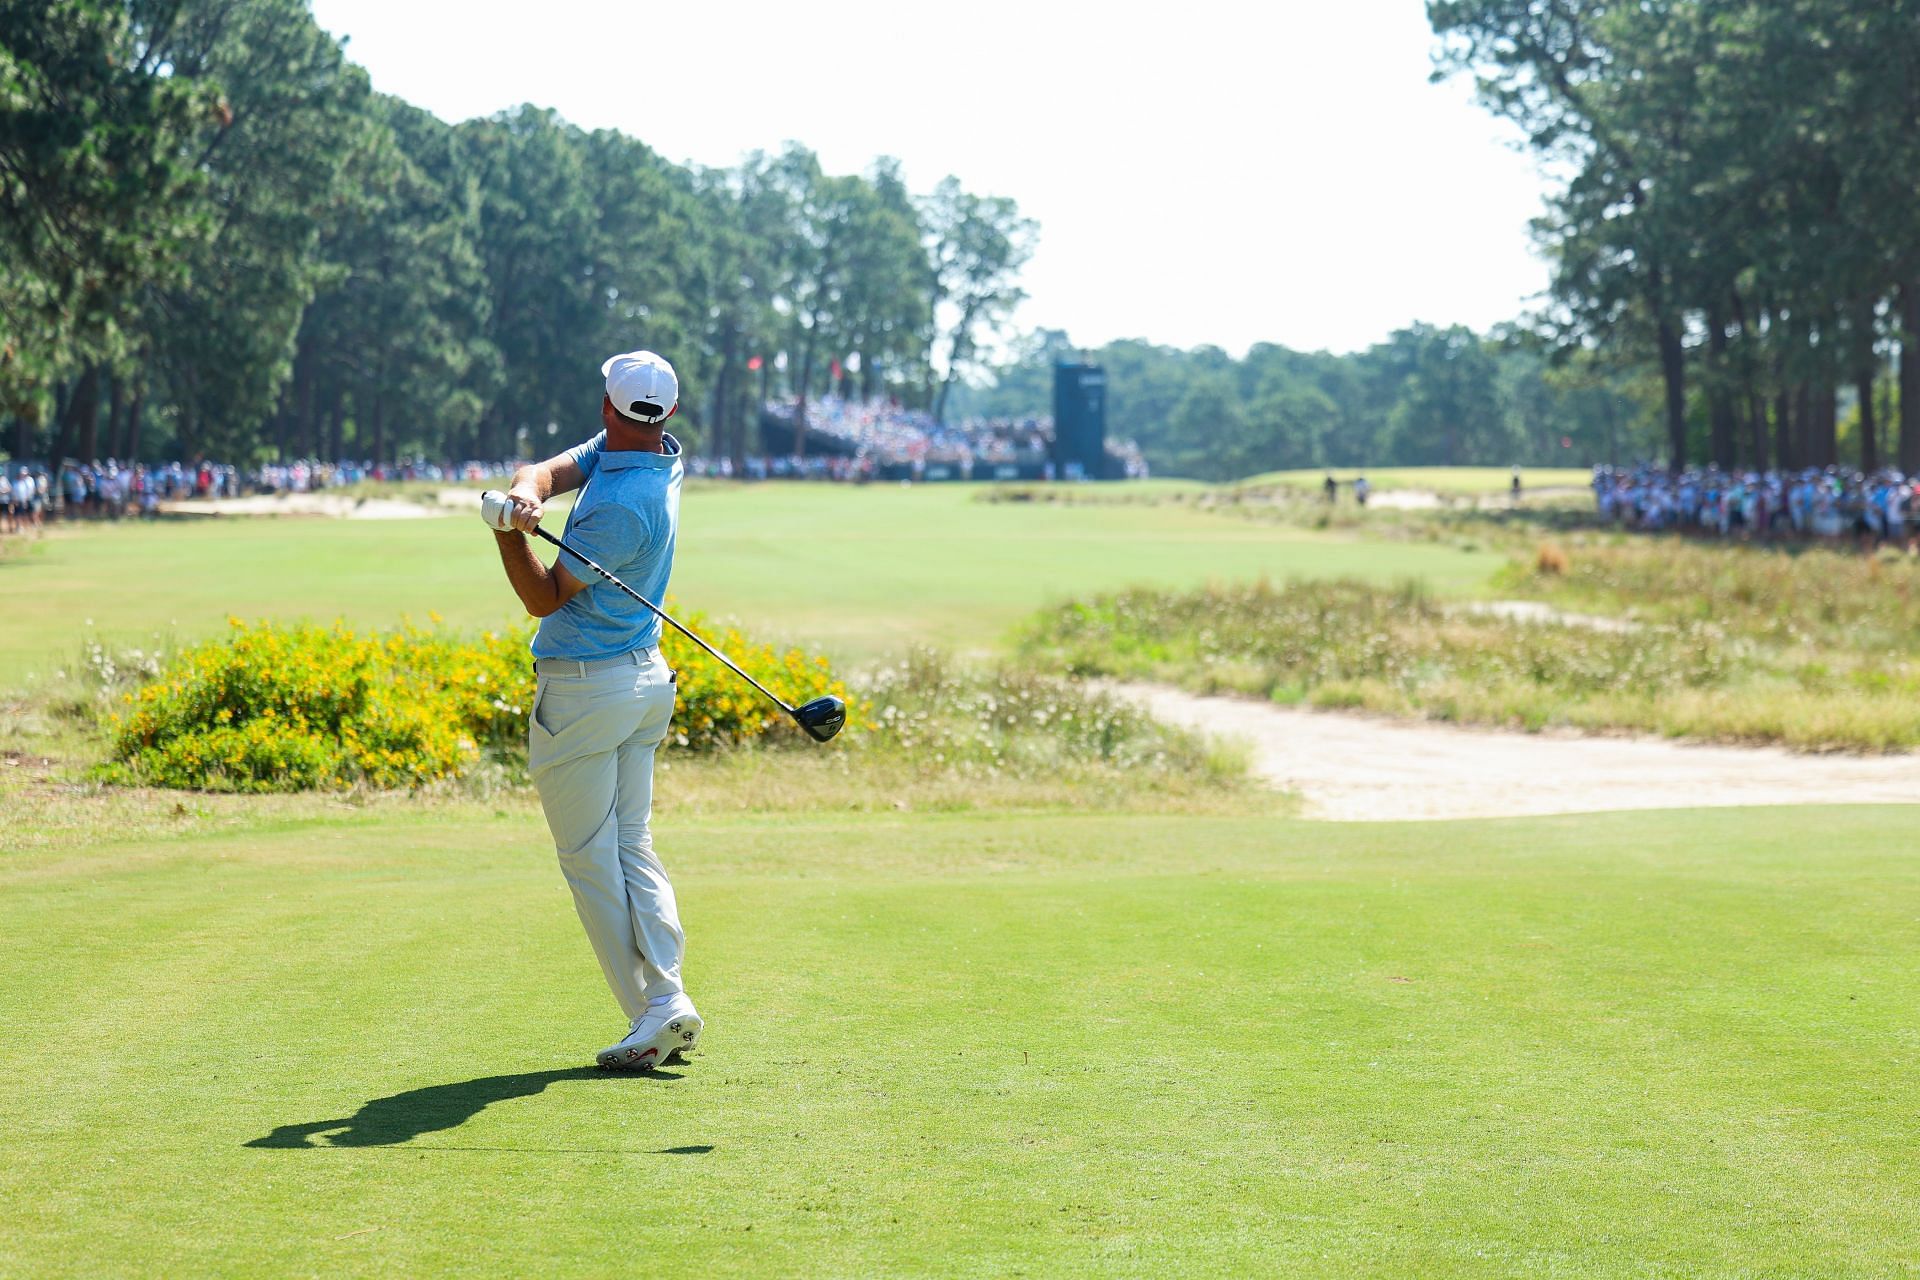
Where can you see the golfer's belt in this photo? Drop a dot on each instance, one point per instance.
(574, 667)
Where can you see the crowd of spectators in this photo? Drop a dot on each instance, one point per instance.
(879, 434)
(1829, 504)
(888, 433)
(107, 489)
(310, 476)
(783, 467)
(111, 490)
(880, 438)
(25, 496)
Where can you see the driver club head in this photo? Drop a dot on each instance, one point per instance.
(822, 718)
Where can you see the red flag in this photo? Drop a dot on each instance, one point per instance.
(753, 362)
(836, 368)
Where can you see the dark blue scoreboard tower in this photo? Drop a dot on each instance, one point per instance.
(1079, 421)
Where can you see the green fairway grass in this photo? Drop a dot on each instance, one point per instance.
(954, 1029)
(858, 572)
(1459, 482)
(1628, 1045)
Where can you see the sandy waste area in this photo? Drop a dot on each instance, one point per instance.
(1356, 768)
(332, 505)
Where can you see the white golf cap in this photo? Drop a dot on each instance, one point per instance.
(641, 386)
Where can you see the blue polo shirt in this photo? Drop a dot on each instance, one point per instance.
(625, 519)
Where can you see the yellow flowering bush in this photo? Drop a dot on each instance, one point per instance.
(272, 708)
(718, 708)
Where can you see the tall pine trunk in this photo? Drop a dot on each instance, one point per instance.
(1806, 452)
(334, 416)
(135, 411)
(1910, 377)
(1865, 369)
(187, 424)
(1823, 438)
(717, 412)
(723, 392)
(1673, 371)
(83, 403)
(303, 380)
(806, 385)
(116, 414)
(1784, 455)
(1869, 437)
(1828, 362)
(1756, 431)
(87, 448)
(1719, 402)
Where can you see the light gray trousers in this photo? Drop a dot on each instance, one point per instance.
(590, 750)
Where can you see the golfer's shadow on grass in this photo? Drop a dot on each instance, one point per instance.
(386, 1122)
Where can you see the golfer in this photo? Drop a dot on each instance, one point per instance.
(603, 697)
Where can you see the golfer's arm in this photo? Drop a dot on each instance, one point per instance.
(541, 590)
(541, 480)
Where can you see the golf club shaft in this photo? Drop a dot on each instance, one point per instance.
(667, 618)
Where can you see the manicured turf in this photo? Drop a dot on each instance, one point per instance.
(269, 1038)
(1666, 1044)
(1452, 481)
(859, 572)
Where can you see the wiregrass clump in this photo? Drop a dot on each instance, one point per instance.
(1003, 720)
(1287, 642)
(1801, 597)
(1397, 650)
(948, 736)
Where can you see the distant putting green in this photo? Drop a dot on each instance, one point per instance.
(1630, 1045)
(1457, 482)
(856, 571)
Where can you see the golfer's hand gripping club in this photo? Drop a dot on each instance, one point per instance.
(496, 511)
(821, 719)
(503, 512)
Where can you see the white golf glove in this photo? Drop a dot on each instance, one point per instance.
(496, 511)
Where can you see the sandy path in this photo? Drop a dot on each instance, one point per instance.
(1354, 768)
(1405, 500)
(1428, 500)
(1546, 615)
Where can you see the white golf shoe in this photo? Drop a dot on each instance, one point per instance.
(662, 1032)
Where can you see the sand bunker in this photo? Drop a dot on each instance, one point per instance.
(333, 506)
(1352, 768)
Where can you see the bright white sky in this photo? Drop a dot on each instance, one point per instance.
(1202, 172)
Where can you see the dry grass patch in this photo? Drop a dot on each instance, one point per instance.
(1752, 677)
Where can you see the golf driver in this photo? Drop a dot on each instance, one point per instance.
(820, 719)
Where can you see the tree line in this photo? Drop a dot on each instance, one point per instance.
(1737, 214)
(1734, 242)
(1428, 395)
(217, 240)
